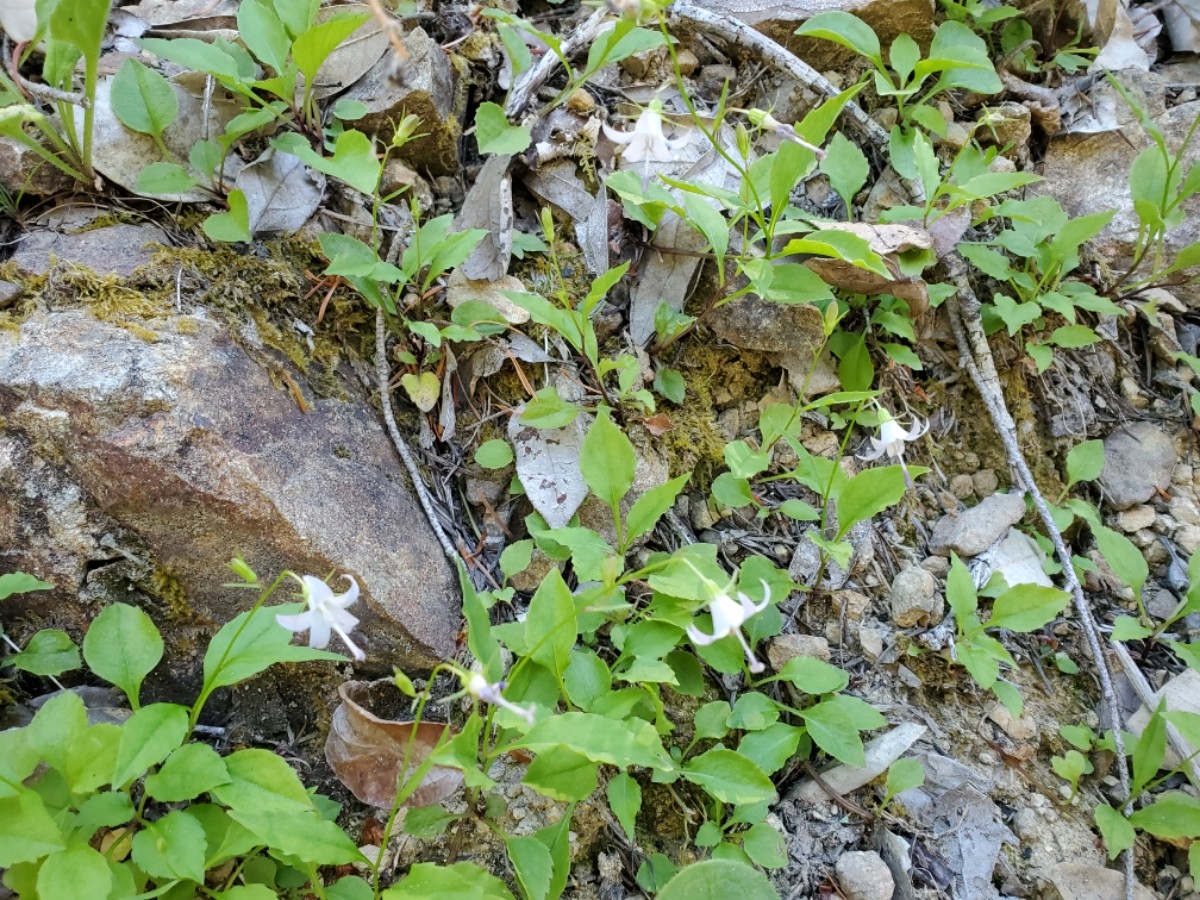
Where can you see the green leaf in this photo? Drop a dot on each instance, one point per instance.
(903, 56)
(27, 832)
(532, 864)
(632, 742)
(847, 30)
(1171, 816)
(48, 652)
(353, 161)
(464, 880)
(189, 771)
(495, 135)
(650, 506)
(771, 748)
(562, 774)
(834, 725)
(263, 33)
(729, 490)
(813, 676)
(494, 454)
(557, 839)
(78, 871)
(1073, 336)
(869, 492)
(1027, 607)
(252, 641)
(607, 461)
(1122, 556)
(548, 410)
(60, 723)
(147, 738)
(143, 100)
(587, 678)
(1127, 628)
(259, 779)
(1085, 462)
(729, 777)
(197, 55)
(20, 583)
(301, 833)
(624, 796)
(846, 167)
(904, 774)
(718, 879)
(122, 646)
(171, 848)
(753, 712)
(314, 45)
(1149, 752)
(702, 216)
(765, 846)
(165, 178)
(480, 640)
(232, 227)
(550, 626)
(990, 262)
(712, 720)
(1118, 834)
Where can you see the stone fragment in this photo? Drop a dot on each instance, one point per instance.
(1007, 125)
(1020, 729)
(785, 647)
(870, 641)
(863, 875)
(962, 487)
(1135, 518)
(22, 171)
(1138, 459)
(113, 250)
(974, 530)
(1076, 881)
(806, 560)
(915, 600)
(985, 482)
(180, 452)
(849, 607)
(9, 293)
(530, 578)
(424, 87)
(750, 323)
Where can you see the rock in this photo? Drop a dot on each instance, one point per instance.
(974, 530)
(9, 293)
(22, 171)
(870, 641)
(424, 87)
(915, 600)
(1182, 694)
(785, 647)
(1188, 538)
(530, 578)
(750, 323)
(849, 607)
(962, 487)
(779, 22)
(113, 250)
(1007, 125)
(179, 452)
(1183, 508)
(1089, 172)
(939, 566)
(1135, 518)
(1020, 729)
(863, 875)
(1080, 882)
(1138, 460)
(985, 482)
(806, 560)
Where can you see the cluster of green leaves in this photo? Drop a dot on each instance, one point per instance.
(117, 810)
(1021, 608)
(597, 710)
(71, 32)
(1011, 36)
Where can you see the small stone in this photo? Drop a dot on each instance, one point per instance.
(9, 293)
(113, 250)
(870, 640)
(687, 62)
(863, 875)
(1021, 729)
(1008, 126)
(713, 78)
(986, 482)
(974, 530)
(915, 600)
(962, 487)
(22, 171)
(1135, 519)
(530, 579)
(783, 649)
(1183, 508)
(1188, 538)
(1138, 459)
(957, 136)
(938, 566)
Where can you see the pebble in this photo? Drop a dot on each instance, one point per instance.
(1138, 459)
(962, 487)
(1135, 518)
(783, 649)
(939, 566)
(870, 641)
(1188, 538)
(986, 482)
(974, 530)
(863, 875)
(1021, 729)
(915, 600)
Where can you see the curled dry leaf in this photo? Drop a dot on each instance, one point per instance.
(888, 241)
(366, 752)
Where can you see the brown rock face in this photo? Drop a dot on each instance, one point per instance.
(181, 450)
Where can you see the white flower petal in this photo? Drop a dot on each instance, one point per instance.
(348, 597)
(320, 634)
(699, 637)
(316, 592)
(299, 622)
(620, 137)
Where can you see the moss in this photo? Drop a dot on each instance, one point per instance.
(164, 585)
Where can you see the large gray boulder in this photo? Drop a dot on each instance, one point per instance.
(166, 457)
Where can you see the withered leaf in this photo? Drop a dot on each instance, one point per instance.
(888, 241)
(489, 205)
(367, 752)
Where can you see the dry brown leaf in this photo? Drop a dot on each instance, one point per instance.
(658, 424)
(367, 752)
(887, 241)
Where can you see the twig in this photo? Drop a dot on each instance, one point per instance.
(977, 359)
(531, 82)
(385, 400)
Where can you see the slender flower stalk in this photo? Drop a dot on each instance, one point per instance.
(478, 687)
(325, 615)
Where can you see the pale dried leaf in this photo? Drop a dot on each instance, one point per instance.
(558, 184)
(1183, 25)
(548, 467)
(355, 56)
(1122, 50)
(887, 241)
(367, 752)
(489, 205)
(158, 13)
(447, 415)
(460, 289)
(281, 192)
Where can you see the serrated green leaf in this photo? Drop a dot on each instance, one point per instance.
(189, 771)
(717, 879)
